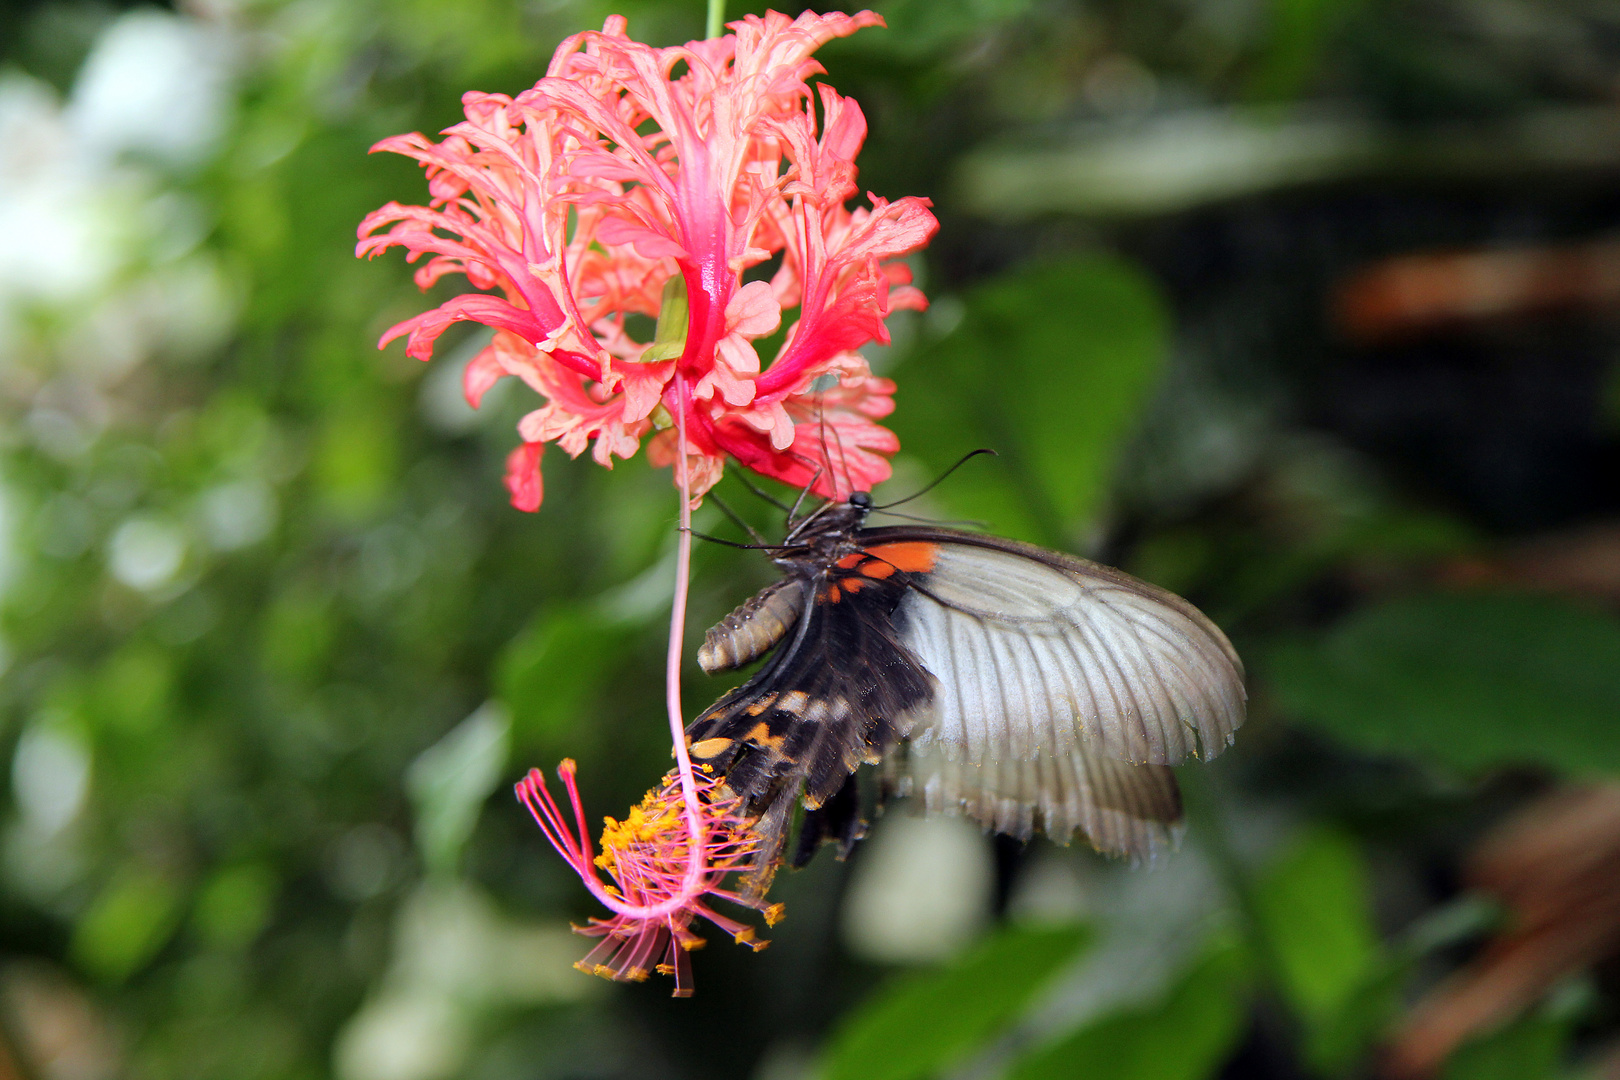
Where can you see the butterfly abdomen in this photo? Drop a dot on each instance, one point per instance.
(750, 631)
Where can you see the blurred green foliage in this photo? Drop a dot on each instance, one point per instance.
(1064, 400)
(275, 645)
(924, 1023)
(1186, 1035)
(1465, 680)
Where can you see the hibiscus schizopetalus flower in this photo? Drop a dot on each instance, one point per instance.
(634, 181)
(647, 857)
(639, 221)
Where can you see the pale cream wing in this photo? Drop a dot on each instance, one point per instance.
(1039, 655)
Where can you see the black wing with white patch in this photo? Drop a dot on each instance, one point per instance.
(1033, 690)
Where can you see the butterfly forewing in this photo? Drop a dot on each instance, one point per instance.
(1037, 651)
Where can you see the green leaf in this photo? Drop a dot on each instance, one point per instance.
(1467, 680)
(919, 30)
(1051, 366)
(1300, 29)
(235, 904)
(920, 1023)
(450, 780)
(299, 632)
(1184, 1036)
(551, 673)
(134, 691)
(1313, 910)
(125, 926)
(356, 460)
(1530, 1049)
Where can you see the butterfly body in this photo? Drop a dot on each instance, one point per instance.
(1020, 686)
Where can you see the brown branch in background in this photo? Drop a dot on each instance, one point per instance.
(1412, 294)
(56, 1028)
(1582, 562)
(1555, 866)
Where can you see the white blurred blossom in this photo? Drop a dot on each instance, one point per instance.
(146, 553)
(456, 959)
(93, 237)
(237, 514)
(921, 891)
(50, 775)
(155, 83)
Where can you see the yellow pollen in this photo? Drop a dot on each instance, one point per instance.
(652, 822)
(775, 914)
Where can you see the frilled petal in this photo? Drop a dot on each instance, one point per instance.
(482, 372)
(425, 328)
(523, 476)
(753, 311)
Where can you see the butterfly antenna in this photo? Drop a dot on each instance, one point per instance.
(737, 518)
(731, 543)
(761, 492)
(965, 522)
(843, 455)
(793, 511)
(821, 422)
(967, 457)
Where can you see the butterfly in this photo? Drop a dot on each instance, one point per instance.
(1022, 687)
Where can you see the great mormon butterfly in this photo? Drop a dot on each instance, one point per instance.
(1020, 686)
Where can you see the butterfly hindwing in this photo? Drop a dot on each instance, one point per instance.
(1120, 808)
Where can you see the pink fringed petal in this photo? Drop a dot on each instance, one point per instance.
(523, 476)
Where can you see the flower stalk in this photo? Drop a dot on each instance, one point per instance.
(716, 21)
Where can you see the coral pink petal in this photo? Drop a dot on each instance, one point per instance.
(523, 476)
(482, 372)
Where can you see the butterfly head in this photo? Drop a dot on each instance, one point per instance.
(830, 525)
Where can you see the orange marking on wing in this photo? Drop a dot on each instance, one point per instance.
(709, 748)
(854, 584)
(848, 561)
(876, 568)
(760, 735)
(912, 556)
(832, 595)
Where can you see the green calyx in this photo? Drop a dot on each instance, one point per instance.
(669, 341)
